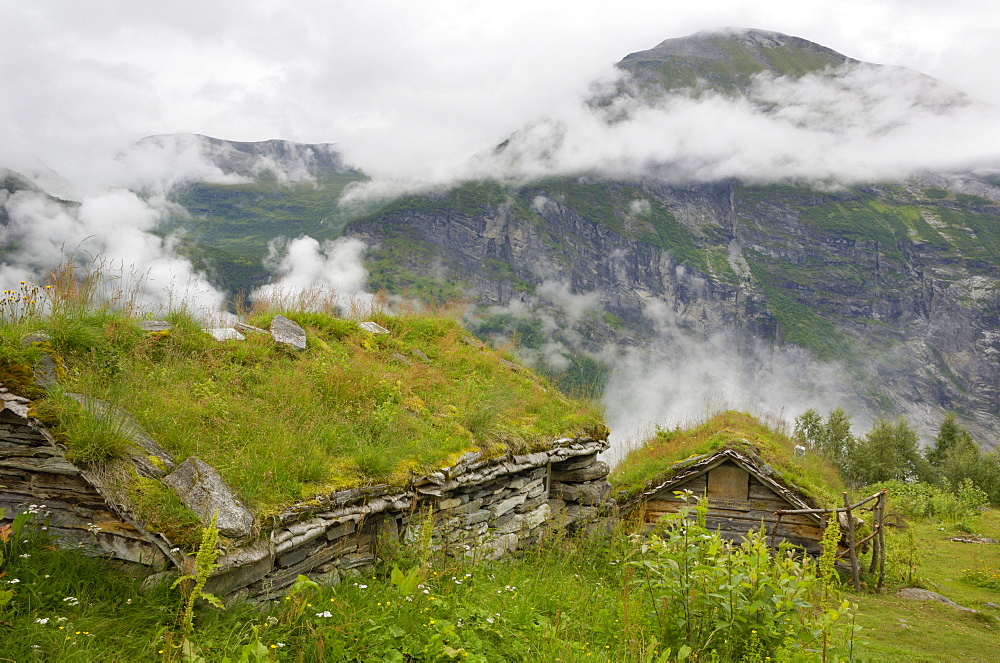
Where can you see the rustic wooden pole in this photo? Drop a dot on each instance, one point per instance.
(881, 538)
(852, 544)
(875, 549)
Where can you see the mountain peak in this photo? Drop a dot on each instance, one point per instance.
(727, 59)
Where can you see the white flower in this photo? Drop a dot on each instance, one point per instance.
(325, 613)
(72, 600)
(42, 620)
(489, 620)
(281, 644)
(13, 581)
(24, 556)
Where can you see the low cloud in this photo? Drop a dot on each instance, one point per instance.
(856, 123)
(677, 378)
(682, 381)
(313, 275)
(112, 230)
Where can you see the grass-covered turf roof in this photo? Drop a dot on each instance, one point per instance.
(283, 426)
(664, 454)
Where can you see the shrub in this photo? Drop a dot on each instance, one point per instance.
(734, 601)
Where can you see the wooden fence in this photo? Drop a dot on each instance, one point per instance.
(877, 537)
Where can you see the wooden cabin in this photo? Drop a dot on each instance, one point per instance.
(742, 493)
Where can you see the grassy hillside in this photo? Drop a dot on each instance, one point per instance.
(282, 425)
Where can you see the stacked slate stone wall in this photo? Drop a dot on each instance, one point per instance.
(36, 477)
(477, 509)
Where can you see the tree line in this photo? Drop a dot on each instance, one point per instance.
(891, 451)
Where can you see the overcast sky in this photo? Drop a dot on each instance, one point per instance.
(397, 84)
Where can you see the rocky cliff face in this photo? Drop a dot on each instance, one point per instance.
(893, 283)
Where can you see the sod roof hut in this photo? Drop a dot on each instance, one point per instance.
(741, 492)
(94, 474)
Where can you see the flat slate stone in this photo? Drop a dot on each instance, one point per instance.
(204, 491)
(915, 594)
(225, 334)
(597, 470)
(248, 329)
(373, 328)
(155, 325)
(36, 337)
(286, 331)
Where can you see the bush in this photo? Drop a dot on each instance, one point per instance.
(733, 601)
(959, 508)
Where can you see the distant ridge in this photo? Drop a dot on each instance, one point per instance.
(281, 158)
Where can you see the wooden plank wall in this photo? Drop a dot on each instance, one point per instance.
(734, 523)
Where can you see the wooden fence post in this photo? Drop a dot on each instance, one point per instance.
(852, 545)
(881, 537)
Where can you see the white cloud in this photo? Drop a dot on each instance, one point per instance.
(112, 229)
(409, 89)
(311, 274)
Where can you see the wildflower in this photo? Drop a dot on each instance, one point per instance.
(325, 613)
(489, 620)
(71, 600)
(42, 620)
(13, 581)
(24, 556)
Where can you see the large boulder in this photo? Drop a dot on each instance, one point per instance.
(203, 490)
